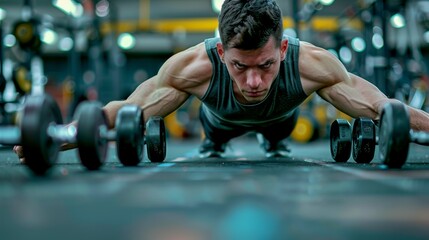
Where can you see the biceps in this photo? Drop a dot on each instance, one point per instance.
(157, 99)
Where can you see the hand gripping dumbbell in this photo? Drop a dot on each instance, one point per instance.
(92, 135)
(41, 133)
(394, 136)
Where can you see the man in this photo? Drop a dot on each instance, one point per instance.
(253, 79)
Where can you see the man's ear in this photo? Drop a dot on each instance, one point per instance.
(220, 51)
(283, 48)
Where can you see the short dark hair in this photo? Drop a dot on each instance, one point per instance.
(249, 24)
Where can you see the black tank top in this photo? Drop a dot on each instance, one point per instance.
(224, 111)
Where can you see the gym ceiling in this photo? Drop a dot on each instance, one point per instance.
(163, 26)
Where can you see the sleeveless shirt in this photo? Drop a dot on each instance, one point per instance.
(224, 111)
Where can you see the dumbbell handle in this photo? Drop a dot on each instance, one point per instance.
(67, 133)
(105, 133)
(418, 137)
(62, 133)
(421, 138)
(10, 135)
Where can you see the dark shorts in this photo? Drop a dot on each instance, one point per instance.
(273, 133)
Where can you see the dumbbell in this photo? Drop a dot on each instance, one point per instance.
(130, 137)
(41, 132)
(394, 136)
(359, 140)
(340, 140)
(40, 116)
(92, 135)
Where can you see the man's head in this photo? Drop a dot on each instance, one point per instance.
(252, 47)
(249, 24)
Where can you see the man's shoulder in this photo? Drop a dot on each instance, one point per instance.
(211, 42)
(291, 40)
(189, 69)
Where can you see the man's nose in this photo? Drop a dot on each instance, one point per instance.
(253, 79)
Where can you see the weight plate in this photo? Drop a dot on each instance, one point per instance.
(21, 79)
(130, 135)
(24, 32)
(91, 124)
(40, 151)
(394, 135)
(155, 139)
(340, 140)
(363, 135)
(306, 128)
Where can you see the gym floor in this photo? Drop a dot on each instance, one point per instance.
(242, 196)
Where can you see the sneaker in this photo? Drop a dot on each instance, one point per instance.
(279, 149)
(210, 149)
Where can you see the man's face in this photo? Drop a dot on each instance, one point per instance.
(253, 71)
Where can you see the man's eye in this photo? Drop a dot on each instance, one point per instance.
(239, 66)
(266, 65)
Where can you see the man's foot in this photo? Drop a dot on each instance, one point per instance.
(210, 149)
(279, 149)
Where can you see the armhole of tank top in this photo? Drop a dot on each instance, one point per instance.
(208, 45)
(296, 67)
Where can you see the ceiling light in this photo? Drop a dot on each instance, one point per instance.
(70, 7)
(397, 21)
(126, 41)
(326, 2)
(358, 44)
(217, 5)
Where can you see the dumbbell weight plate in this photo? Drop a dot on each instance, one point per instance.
(92, 147)
(394, 135)
(21, 79)
(155, 139)
(340, 140)
(363, 135)
(306, 128)
(40, 151)
(25, 32)
(130, 135)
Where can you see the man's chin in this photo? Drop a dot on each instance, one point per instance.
(253, 100)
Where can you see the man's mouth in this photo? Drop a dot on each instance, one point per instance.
(255, 93)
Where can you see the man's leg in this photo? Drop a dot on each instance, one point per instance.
(216, 139)
(274, 136)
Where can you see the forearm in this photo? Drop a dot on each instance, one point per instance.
(419, 119)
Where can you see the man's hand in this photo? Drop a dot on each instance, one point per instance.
(18, 150)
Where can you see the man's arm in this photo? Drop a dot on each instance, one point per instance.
(325, 74)
(184, 74)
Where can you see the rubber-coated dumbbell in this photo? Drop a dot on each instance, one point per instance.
(359, 140)
(395, 135)
(41, 133)
(40, 116)
(92, 135)
(340, 140)
(130, 138)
